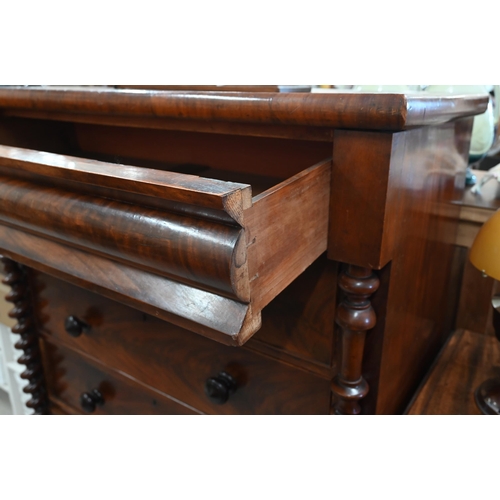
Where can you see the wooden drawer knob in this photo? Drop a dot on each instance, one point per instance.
(90, 400)
(220, 387)
(75, 327)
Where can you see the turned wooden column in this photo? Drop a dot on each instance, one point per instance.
(17, 280)
(355, 316)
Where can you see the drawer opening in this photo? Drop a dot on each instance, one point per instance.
(262, 162)
(203, 253)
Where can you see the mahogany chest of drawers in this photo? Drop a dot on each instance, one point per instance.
(228, 252)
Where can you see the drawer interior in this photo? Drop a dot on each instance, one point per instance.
(262, 162)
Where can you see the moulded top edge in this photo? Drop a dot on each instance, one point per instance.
(367, 111)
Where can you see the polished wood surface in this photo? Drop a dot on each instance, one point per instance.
(173, 360)
(391, 218)
(382, 203)
(361, 198)
(148, 292)
(172, 186)
(207, 250)
(351, 111)
(468, 359)
(355, 316)
(109, 228)
(223, 156)
(281, 240)
(72, 375)
(298, 325)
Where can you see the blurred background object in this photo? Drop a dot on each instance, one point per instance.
(485, 256)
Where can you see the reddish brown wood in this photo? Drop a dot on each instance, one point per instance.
(355, 316)
(389, 198)
(16, 278)
(298, 325)
(223, 319)
(359, 193)
(286, 231)
(188, 246)
(278, 158)
(363, 111)
(212, 127)
(72, 374)
(168, 185)
(173, 360)
(468, 359)
(187, 249)
(37, 134)
(401, 207)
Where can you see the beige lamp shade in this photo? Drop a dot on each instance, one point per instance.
(485, 251)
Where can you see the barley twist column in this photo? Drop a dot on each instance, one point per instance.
(19, 295)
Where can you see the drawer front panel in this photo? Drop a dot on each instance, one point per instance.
(186, 248)
(69, 375)
(173, 360)
(67, 215)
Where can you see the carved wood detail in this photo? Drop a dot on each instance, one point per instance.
(355, 316)
(16, 279)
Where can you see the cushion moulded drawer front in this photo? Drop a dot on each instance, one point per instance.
(201, 253)
(171, 359)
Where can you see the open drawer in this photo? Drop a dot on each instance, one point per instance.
(199, 252)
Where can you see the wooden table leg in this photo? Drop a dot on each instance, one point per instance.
(355, 316)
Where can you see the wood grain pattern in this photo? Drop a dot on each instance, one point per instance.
(278, 158)
(395, 208)
(468, 360)
(172, 360)
(190, 250)
(423, 249)
(286, 231)
(359, 194)
(212, 127)
(170, 185)
(361, 111)
(398, 162)
(222, 319)
(189, 246)
(72, 374)
(298, 325)
(355, 317)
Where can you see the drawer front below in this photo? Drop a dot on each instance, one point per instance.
(173, 360)
(70, 375)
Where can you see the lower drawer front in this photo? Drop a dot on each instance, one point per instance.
(71, 375)
(173, 360)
